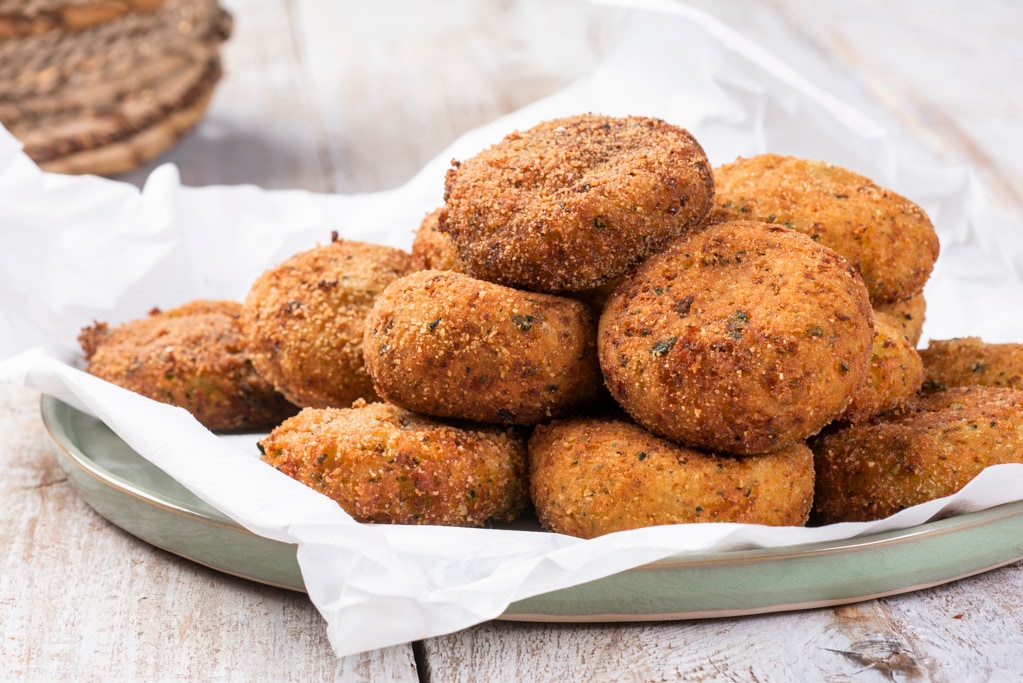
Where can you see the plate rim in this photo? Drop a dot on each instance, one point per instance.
(50, 406)
(71, 453)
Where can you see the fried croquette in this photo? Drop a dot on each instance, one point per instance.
(970, 361)
(433, 249)
(741, 338)
(304, 320)
(446, 344)
(929, 448)
(592, 476)
(574, 202)
(909, 314)
(193, 356)
(896, 372)
(886, 237)
(383, 464)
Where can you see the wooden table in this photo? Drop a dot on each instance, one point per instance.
(345, 96)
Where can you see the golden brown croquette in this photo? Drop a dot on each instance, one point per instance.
(909, 314)
(304, 320)
(886, 237)
(193, 356)
(383, 464)
(593, 476)
(574, 202)
(446, 344)
(970, 361)
(929, 448)
(433, 249)
(742, 338)
(895, 373)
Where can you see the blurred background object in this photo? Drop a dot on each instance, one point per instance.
(101, 86)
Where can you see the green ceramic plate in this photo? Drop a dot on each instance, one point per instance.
(126, 489)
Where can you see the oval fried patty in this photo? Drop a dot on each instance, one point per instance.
(384, 464)
(574, 202)
(446, 344)
(594, 476)
(886, 237)
(930, 448)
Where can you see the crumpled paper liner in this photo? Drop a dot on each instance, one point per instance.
(75, 249)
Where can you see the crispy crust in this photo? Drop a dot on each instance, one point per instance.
(386, 465)
(930, 448)
(895, 375)
(574, 202)
(970, 361)
(887, 238)
(433, 249)
(594, 476)
(193, 356)
(446, 344)
(909, 315)
(743, 338)
(304, 320)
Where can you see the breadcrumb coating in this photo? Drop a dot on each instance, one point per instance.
(433, 249)
(383, 464)
(574, 202)
(909, 314)
(193, 356)
(446, 344)
(970, 361)
(742, 338)
(886, 237)
(594, 476)
(929, 448)
(304, 320)
(895, 375)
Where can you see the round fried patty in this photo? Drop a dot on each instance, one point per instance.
(970, 361)
(193, 356)
(574, 202)
(304, 320)
(743, 338)
(381, 463)
(895, 373)
(930, 448)
(446, 344)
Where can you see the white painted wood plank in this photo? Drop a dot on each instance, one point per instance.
(262, 126)
(968, 631)
(396, 85)
(82, 600)
(945, 72)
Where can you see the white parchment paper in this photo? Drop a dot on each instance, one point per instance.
(78, 249)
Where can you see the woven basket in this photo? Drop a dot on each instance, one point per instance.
(101, 86)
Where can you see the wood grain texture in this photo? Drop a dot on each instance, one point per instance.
(82, 600)
(944, 69)
(940, 75)
(345, 96)
(970, 631)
